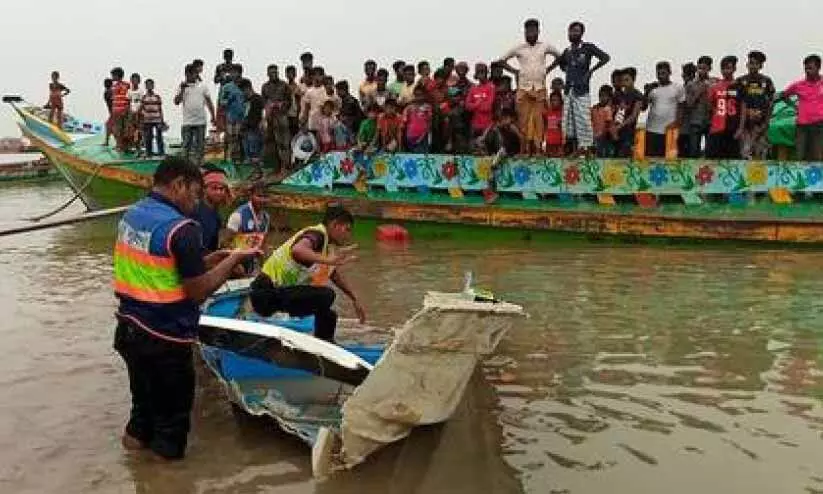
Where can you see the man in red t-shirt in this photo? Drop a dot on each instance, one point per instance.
(723, 98)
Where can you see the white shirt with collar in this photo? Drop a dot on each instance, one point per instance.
(532, 62)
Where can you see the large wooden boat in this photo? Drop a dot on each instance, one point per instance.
(767, 201)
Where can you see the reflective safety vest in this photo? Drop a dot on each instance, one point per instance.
(285, 271)
(145, 272)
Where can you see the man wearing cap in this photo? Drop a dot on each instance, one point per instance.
(207, 214)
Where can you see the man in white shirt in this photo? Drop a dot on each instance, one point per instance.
(195, 98)
(531, 83)
(664, 100)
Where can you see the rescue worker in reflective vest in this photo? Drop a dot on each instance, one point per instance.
(295, 277)
(248, 226)
(161, 278)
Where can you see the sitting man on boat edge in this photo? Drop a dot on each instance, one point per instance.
(161, 278)
(294, 278)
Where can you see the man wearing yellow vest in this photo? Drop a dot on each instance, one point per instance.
(161, 278)
(294, 278)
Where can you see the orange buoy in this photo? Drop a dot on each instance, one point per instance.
(392, 233)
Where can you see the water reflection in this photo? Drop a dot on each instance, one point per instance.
(642, 369)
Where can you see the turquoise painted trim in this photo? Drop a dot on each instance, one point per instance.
(560, 176)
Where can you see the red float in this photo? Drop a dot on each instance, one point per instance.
(392, 233)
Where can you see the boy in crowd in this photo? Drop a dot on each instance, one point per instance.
(326, 124)
(381, 94)
(725, 119)
(463, 83)
(480, 101)
(390, 128)
(222, 75)
(135, 117)
(307, 64)
(120, 110)
(406, 95)
(331, 94)
(557, 85)
(418, 122)
(57, 92)
(154, 124)
(554, 125)
(696, 126)
(809, 92)
(399, 79)
(504, 96)
(425, 72)
(253, 124)
(296, 94)
(448, 68)
(496, 73)
(439, 98)
(199, 65)
(350, 112)
(503, 139)
(108, 98)
(313, 100)
(663, 99)
(369, 84)
(367, 133)
(756, 98)
(688, 72)
(232, 99)
(628, 103)
(602, 121)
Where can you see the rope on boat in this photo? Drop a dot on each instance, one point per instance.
(78, 194)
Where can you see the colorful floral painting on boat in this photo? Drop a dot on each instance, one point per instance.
(558, 176)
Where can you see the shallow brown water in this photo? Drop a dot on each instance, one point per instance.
(643, 369)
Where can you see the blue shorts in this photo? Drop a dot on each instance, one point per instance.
(253, 144)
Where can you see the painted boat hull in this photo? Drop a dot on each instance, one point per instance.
(718, 201)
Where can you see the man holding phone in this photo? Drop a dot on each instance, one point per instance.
(195, 98)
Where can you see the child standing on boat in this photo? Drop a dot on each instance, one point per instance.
(108, 98)
(151, 114)
(57, 91)
(120, 110)
(554, 126)
(602, 114)
(480, 101)
(418, 122)
(390, 128)
(135, 117)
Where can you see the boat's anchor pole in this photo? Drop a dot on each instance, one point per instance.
(67, 221)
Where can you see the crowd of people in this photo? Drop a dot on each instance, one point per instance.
(412, 108)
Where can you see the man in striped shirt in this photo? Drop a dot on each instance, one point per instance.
(151, 111)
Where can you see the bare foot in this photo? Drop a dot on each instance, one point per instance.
(131, 443)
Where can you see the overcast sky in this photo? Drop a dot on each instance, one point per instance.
(85, 39)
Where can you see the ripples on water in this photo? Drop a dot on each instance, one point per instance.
(642, 369)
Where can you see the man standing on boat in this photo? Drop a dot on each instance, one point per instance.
(531, 83)
(576, 62)
(161, 278)
(195, 98)
(294, 279)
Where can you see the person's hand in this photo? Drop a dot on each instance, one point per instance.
(360, 311)
(343, 256)
(246, 253)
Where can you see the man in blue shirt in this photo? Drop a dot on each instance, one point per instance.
(576, 62)
(207, 214)
(160, 279)
(234, 101)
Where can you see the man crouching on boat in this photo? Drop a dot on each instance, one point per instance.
(294, 279)
(160, 277)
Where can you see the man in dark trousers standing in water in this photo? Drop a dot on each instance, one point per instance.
(161, 278)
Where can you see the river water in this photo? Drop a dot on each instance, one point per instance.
(643, 369)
